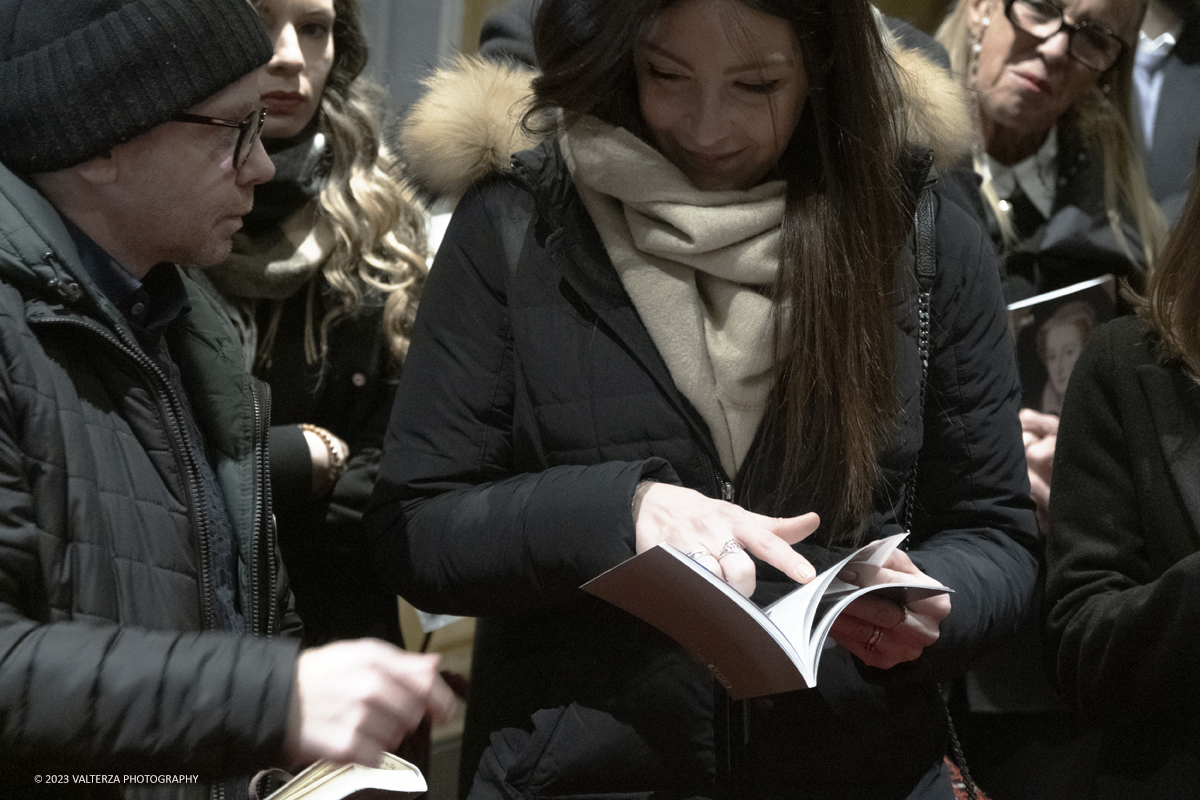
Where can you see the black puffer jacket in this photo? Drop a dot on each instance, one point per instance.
(108, 663)
(533, 402)
(350, 394)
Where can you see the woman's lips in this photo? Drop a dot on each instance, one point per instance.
(1032, 81)
(282, 102)
(712, 160)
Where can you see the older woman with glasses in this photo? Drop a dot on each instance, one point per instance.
(1062, 184)
(1065, 194)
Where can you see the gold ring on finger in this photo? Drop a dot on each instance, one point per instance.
(876, 635)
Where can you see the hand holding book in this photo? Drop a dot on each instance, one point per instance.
(759, 651)
(355, 700)
(1040, 432)
(879, 631)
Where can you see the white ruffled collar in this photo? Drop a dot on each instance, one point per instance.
(1036, 175)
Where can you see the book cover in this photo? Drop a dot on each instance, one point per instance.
(1050, 331)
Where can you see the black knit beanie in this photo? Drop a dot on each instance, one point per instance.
(79, 76)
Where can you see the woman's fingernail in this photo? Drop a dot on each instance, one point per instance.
(848, 575)
(806, 572)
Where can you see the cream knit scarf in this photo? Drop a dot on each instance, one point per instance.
(697, 266)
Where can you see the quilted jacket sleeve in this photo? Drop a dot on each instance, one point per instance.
(974, 520)
(460, 533)
(76, 694)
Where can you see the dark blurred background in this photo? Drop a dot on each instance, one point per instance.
(409, 37)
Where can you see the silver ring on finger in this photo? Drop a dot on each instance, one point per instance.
(694, 554)
(730, 546)
(876, 635)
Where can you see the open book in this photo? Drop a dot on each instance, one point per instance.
(394, 778)
(753, 651)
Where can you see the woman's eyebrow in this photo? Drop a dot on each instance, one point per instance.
(664, 53)
(777, 59)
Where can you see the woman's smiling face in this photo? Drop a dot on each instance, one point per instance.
(721, 88)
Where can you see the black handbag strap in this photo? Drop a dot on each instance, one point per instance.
(925, 245)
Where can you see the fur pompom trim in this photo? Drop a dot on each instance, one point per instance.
(467, 124)
(937, 108)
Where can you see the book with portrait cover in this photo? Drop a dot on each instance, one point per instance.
(1049, 333)
(752, 651)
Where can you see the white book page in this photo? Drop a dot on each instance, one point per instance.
(796, 612)
(922, 589)
(794, 650)
(325, 780)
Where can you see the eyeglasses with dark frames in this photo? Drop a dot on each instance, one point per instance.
(1092, 45)
(249, 130)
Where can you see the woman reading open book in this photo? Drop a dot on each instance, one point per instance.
(691, 315)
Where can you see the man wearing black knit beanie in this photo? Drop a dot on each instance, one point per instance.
(147, 640)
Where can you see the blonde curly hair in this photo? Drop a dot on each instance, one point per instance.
(379, 250)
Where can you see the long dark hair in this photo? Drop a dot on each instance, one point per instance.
(846, 218)
(1171, 304)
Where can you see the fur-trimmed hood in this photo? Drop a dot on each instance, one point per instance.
(468, 123)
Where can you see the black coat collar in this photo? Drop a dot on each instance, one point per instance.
(1178, 427)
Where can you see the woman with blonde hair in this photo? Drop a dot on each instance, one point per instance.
(1064, 191)
(322, 285)
(1063, 184)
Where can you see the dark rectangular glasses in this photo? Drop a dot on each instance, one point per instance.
(1092, 45)
(248, 131)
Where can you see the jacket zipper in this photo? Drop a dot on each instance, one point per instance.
(173, 413)
(263, 530)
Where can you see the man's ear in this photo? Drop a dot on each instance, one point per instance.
(99, 171)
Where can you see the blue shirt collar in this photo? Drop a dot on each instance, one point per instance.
(148, 305)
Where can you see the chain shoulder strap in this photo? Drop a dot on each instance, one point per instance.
(925, 244)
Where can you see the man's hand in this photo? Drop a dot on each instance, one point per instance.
(355, 700)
